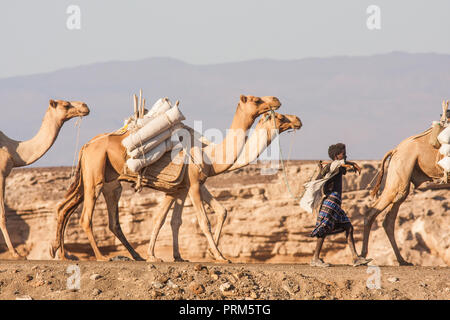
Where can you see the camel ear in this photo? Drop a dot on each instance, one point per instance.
(52, 103)
(243, 98)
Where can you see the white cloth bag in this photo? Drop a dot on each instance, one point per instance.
(160, 106)
(445, 164)
(154, 127)
(313, 188)
(445, 150)
(444, 136)
(153, 142)
(150, 157)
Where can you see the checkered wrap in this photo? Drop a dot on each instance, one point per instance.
(331, 219)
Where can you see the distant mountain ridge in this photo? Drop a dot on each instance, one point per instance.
(370, 102)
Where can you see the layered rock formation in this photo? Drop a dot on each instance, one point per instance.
(264, 224)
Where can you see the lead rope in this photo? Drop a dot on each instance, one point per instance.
(75, 155)
(282, 162)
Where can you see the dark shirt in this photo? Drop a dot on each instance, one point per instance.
(335, 183)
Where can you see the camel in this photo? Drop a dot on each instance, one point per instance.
(15, 154)
(102, 160)
(414, 161)
(265, 131)
(267, 128)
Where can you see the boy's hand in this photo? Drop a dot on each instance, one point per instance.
(351, 166)
(357, 168)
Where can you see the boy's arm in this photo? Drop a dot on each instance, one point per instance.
(352, 166)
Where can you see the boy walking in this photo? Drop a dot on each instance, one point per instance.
(331, 219)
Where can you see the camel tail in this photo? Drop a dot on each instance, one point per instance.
(73, 198)
(375, 190)
(76, 186)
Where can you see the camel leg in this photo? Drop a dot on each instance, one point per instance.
(158, 222)
(398, 181)
(218, 209)
(90, 197)
(175, 224)
(389, 226)
(11, 248)
(111, 192)
(195, 196)
(382, 203)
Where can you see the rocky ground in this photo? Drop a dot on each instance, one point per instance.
(264, 224)
(172, 281)
(266, 235)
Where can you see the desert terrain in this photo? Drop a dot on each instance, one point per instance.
(266, 236)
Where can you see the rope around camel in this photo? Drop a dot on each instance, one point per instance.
(75, 154)
(282, 161)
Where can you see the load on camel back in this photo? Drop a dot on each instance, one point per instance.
(152, 134)
(440, 139)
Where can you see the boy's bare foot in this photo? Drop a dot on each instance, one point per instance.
(360, 261)
(319, 263)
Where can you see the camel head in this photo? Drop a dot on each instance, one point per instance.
(66, 110)
(282, 122)
(255, 106)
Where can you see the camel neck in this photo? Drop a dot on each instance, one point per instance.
(259, 140)
(31, 150)
(223, 155)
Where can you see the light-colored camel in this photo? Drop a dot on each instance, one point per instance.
(102, 160)
(22, 153)
(414, 161)
(267, 128)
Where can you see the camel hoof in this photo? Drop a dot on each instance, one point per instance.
(68, 257)
(180, 259)
(102, 258)
(16, 256)
(405, 264)
(138, 258)
(222, 260)
(154, 259)
(119, 258)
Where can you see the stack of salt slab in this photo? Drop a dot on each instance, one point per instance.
(444, 140)
(153, 138)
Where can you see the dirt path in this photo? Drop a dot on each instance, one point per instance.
(141, 280)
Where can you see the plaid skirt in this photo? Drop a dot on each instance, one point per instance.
(331, 219)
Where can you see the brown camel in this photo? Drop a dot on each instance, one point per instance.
(267, 128)
(22, 153)
(102, 160)
(414, 161)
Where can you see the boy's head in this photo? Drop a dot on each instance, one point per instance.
(337, 151)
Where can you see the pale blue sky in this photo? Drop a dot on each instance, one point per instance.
(34, 37)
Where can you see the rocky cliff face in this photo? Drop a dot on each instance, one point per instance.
(264, 223)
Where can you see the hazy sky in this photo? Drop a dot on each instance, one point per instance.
(34, 37)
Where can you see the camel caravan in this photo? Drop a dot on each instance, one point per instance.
(155, 149)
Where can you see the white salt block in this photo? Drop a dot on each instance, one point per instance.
(160, 107)
(150, 157)
(444, 136)
(445, 150)
(445, 164)
(153, 142)
(154, 127)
